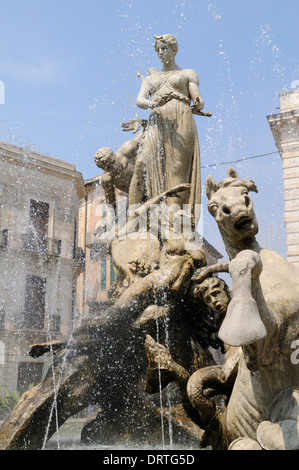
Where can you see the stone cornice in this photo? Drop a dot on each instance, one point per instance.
(279, 122)
(42, 163)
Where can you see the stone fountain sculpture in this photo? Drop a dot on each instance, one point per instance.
(104, 360)
(164, 285)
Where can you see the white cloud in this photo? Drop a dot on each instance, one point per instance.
(40, 72)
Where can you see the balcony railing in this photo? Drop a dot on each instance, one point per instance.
(54, 247)
(27, 321)
(33, 243)
(42, 245)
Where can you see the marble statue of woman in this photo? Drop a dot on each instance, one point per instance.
(169, 151)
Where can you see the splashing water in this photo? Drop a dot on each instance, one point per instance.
(160, 388)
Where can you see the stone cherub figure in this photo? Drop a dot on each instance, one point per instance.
(119, 166)
(215, 294)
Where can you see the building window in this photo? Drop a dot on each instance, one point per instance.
(103, 273)
(75, 239)
(112, 273)
(35, 303)
(2, 353)
(3, 237)
(39, 217)
(39, 224)
(2, 316)
(29, 373)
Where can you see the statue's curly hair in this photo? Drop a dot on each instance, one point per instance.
(168, 39)
(104, 158)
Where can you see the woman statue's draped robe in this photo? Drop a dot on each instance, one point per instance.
(169, 151)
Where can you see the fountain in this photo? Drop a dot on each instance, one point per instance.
(168, 305)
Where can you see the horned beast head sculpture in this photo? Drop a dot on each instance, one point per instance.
(232, 179)
(232, 208)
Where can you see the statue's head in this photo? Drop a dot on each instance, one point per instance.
(104, 158)
(230, 205)
(166, 44)
(215, 294)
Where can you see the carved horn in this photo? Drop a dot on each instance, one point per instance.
(211, 186)
(252, 186)
(231, 172)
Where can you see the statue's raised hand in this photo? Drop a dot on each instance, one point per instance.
(132, 125)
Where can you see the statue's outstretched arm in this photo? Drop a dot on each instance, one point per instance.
(202, 273)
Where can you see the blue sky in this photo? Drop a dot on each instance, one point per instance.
(69, 70)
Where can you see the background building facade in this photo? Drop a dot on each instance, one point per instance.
(94, 283)
(285, 129)
(39, 259)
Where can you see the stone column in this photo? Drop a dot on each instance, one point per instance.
(285, 130)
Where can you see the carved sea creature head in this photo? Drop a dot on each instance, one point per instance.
(230, 205)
